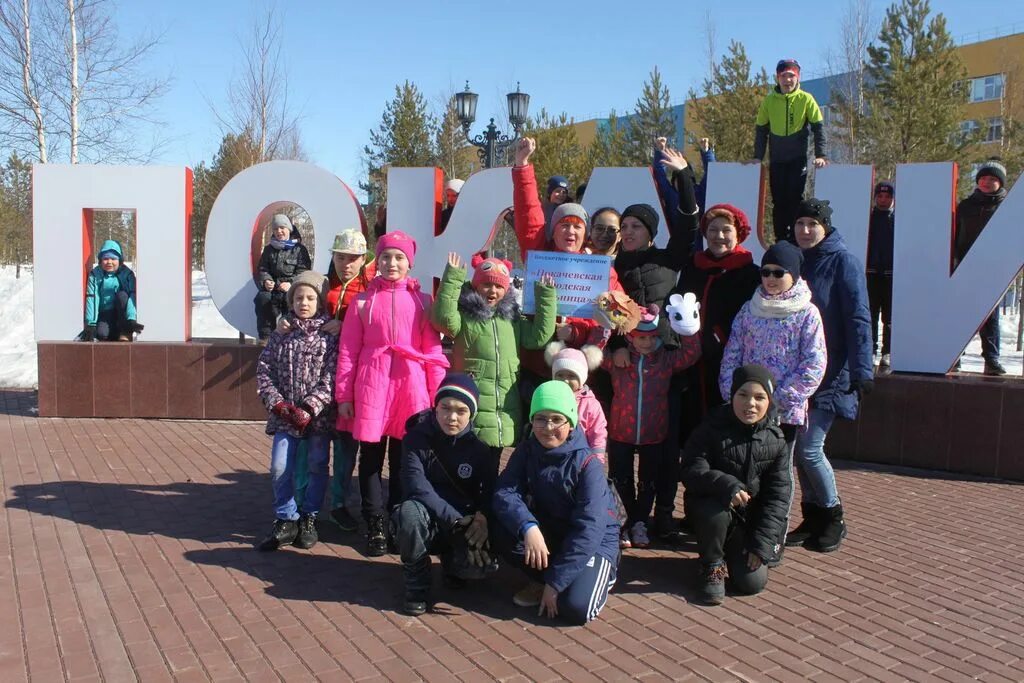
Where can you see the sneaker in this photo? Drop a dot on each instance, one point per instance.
(994, 368)
(376, 536)
(884, 362)
(713, 583)
(283, 533)
(529, 595)
(638, 533)
(344, 519)
(307, 536)
(624, 541)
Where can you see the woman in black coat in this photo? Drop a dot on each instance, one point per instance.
(739, 483)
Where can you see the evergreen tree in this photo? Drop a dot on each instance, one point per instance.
(451, 153)
(651, 120)
(559, 151)
(16, 211)
(235, 154)
(610, 147)
(915, 90)
(405, 137)
(726, 111)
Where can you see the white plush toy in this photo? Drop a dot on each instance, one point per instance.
(684, 314)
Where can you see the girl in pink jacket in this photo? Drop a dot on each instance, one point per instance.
(572, 366)
(390, 364)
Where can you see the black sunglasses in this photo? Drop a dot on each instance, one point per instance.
(771, 272)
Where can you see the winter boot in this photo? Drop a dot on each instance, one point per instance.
(712, 588)
(376, 536)
(832, 533)
(307, 537)
(808, 528)
(994, 368)
(283, 533)
(417, 586)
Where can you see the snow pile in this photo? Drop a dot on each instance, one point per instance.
(18, 364)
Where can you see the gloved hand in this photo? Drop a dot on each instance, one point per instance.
(134, 326)
(301, 418)
(684, 314)
(862, 387)
(89, 333)
(283, 409)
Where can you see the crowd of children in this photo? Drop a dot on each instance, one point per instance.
(715, 373)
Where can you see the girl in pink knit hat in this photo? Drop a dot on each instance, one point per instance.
(390, 364)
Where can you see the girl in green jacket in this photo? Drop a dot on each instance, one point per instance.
(488, 327)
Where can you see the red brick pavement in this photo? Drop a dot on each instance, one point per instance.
(126, 554)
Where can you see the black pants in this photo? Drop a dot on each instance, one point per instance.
(638, 498)
(371, 465)
(113, 323)
(787, 180)
(990, 337)
(268, 306)
(721, 536)
(880, 300)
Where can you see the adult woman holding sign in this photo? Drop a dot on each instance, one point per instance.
(567, 232)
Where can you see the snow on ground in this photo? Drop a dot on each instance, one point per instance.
(18, 347)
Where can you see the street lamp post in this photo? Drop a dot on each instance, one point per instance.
(492, 145)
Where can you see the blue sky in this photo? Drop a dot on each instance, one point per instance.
(344, 58)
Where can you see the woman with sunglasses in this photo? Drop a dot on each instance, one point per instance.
(781, 330)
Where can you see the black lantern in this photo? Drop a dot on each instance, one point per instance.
(465, 106)
(492, 145)
(518, 108)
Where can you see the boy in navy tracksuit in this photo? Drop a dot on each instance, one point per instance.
(554, 495)
(448, 479)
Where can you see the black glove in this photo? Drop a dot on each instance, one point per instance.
(134, 326)
(89, 333)
(862, 387)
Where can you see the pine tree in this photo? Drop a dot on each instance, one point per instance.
(915, 91)
(16, 211)
(405, 137)
(652, 119)
(610, 147)
(559, 151)
(726, 111)
(451, 154)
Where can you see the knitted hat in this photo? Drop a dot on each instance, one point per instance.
(568, 212)
(455, 185)
(280, 220)
(648, 325)
(492, 270)
(786, 255)
(462, 388)
(578, 362)
(788, 64)
(993, 168)
(556, 397)
(109, 253)
(310, 278)
(555, 182)
(885, 185)
(646, 214)
(818, 209)
(735, 215)
(752, 373)
(401, 241)
(349, 242)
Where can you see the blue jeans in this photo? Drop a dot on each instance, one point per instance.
(345, 448)
(817, 480)
(282, 473)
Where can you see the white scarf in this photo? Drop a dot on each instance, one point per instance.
(781, 305)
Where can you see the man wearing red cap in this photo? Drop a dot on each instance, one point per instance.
(782, 124)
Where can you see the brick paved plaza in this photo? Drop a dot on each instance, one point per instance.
(126, 554)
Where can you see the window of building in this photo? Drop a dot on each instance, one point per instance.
(985, 88)
(994, 132)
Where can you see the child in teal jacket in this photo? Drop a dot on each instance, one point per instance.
(110, 298)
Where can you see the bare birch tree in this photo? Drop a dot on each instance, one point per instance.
(846, 59)
(21, 108)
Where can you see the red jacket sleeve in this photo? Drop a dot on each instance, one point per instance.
(529, 214)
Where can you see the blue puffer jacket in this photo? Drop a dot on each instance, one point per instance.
(568, 498)
(101, 288)
(839, 290)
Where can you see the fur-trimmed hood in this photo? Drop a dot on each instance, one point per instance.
(474, 307)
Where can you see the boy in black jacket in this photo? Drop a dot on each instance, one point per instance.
(448, 479)
(736, 467)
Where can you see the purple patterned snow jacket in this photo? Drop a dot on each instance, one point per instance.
(783, 333)
(299, 367)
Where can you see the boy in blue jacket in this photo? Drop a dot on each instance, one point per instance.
(554, 494)
(110, 298)
(448, 479)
